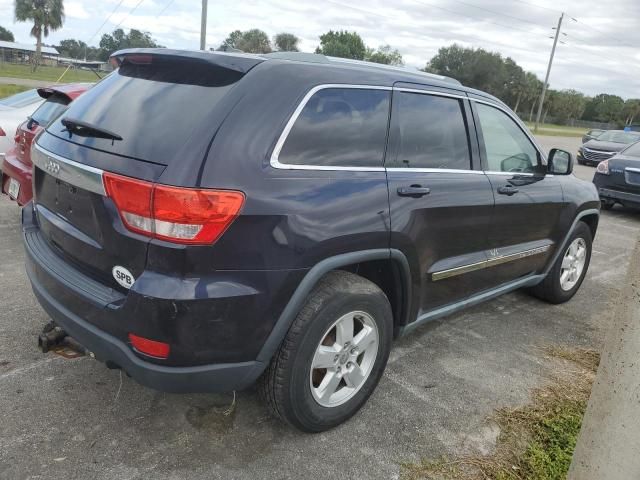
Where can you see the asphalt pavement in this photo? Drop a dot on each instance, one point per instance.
(76, 419)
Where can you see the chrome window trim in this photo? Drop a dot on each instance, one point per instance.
(434, 170)
(430, 92)
(490, 262)
(71, 172)
(273, 161)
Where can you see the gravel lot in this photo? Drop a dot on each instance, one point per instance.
(76, 419)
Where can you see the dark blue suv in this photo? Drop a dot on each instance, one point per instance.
(204, 220)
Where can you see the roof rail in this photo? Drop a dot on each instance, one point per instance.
(319, 58)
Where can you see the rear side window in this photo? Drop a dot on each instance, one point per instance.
(428, 131)
(49, 110)
(339, 127)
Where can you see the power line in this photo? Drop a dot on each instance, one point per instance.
(538, 6)
(164, 9)
(105, 21)
(129, 14)
(501, 14)
(476, 18)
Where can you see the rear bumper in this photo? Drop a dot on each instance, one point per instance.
(99, 317)
(627, 198)
(14, 168)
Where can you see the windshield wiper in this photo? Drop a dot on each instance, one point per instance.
(86, 129)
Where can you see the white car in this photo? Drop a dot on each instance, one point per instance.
(13, 111)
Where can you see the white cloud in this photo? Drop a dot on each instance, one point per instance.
(600, 54)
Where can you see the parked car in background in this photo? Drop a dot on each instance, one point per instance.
(605, 146)
(618, 179)
(16, 166)
(204, 221)
(13, 111)
(591, 134)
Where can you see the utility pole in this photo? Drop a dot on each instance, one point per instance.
(546, 79)
(203, 26)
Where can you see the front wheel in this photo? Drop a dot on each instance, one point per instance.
(333, 356)
(565, 277)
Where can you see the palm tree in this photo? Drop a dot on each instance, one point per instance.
(46, 15)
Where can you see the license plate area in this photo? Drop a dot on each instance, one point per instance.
(14, 189)
(632, 177)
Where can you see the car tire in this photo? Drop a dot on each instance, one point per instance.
(302, 395)
(562, 283)
(607, 204)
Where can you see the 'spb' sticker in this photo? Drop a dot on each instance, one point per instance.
(123, 276)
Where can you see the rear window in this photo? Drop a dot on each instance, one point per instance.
(339, 127)
(49, 110)
(155, 103)
(633, 150)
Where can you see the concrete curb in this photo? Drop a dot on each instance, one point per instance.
(609, 442)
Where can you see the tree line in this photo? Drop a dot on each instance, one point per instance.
(473, 67)
(505, 79)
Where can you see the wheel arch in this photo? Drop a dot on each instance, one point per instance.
(374, 265)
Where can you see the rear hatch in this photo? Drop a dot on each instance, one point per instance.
(624, 172)
(159, 107)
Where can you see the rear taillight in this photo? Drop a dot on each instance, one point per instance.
(603, 167)
(175, 214)
(2, 133)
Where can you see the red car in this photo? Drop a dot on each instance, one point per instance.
(16, 167)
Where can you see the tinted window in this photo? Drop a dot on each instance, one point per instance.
(21, 99)
(508, 149)
(160, 107)
(49, 110)
(428, 131)
(343, 127)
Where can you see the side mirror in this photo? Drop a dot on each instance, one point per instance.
(560, 162)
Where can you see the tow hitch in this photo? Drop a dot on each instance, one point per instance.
(54, 339)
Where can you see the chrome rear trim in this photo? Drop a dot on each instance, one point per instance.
(71, 172)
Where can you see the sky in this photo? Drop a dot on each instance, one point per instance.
(600, 52)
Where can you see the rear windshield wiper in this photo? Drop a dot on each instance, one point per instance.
(85, 129)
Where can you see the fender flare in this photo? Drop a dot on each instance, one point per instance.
(312, 277)
(563, 245)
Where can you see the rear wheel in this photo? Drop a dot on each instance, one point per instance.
(333, 355)
(607, 204)
(565, 277)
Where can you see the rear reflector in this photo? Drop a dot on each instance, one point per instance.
(149, 347)
(175, 214)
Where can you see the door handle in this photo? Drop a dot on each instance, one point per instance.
(507, 190)
(415, 191)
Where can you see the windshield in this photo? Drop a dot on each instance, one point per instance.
(619, 137)
(21, 99)
(49, 110)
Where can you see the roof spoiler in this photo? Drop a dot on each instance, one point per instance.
(240, 63)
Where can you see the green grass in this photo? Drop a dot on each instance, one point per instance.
(11, 89)
(537, 440)
(47, 74)
(557, 130)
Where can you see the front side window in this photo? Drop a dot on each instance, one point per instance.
(507, 147)
(428, 131)
(339, 127)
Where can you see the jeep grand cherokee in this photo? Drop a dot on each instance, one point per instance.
(204, 220)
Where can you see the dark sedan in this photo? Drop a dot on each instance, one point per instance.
(605, 146)
(618, 179)
(591, 134)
